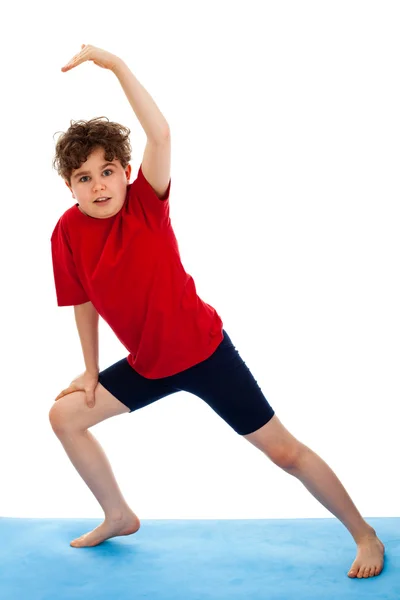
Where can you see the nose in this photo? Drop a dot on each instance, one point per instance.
(98, 186)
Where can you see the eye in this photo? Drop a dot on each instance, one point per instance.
(107, 170)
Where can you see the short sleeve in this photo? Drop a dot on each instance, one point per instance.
(69, 290)
(145, 203)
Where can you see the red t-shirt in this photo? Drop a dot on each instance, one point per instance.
(129, 267)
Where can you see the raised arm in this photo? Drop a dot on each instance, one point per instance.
(156, 163)
(150, 117)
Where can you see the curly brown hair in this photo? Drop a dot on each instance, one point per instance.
(75, 145)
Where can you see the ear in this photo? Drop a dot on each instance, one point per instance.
(69, 187)
(128, 172)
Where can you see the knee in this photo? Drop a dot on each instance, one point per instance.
(57, 418)
(288, 456)
(276, 442)
(61, 414)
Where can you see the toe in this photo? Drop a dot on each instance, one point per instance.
(353, 571)
(77, 541)
(366, 572)
(360, 573)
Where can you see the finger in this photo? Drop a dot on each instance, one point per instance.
(65, 392)
(90, 401)
(76, 60)
(68, 65)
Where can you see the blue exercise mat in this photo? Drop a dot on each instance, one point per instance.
(266, 559)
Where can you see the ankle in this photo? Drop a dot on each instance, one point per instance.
(368, 533)
(119, 514)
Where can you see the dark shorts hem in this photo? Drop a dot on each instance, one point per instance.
(223, 381)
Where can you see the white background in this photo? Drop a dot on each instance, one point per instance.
(285, 129)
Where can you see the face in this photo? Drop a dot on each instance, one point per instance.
(96, 179)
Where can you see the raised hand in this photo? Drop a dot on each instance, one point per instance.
(100, 57)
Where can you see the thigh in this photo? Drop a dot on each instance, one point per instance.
(227, 385)
(131, 388)
(120, 390)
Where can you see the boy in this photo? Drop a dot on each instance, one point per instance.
(115, 254)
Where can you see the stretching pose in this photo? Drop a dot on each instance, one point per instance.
(115, 254)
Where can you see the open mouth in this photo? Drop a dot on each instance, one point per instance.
(102, 201)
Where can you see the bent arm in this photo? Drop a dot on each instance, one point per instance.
(87, 322)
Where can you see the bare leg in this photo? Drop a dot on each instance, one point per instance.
(325, 486)
(89, 459)
(300, 461)
(69, 417)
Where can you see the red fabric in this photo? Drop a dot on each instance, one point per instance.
(130, 268)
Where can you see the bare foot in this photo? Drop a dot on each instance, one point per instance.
(128, 524)
(369, 559)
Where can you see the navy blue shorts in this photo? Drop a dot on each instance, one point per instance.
(223, 381)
